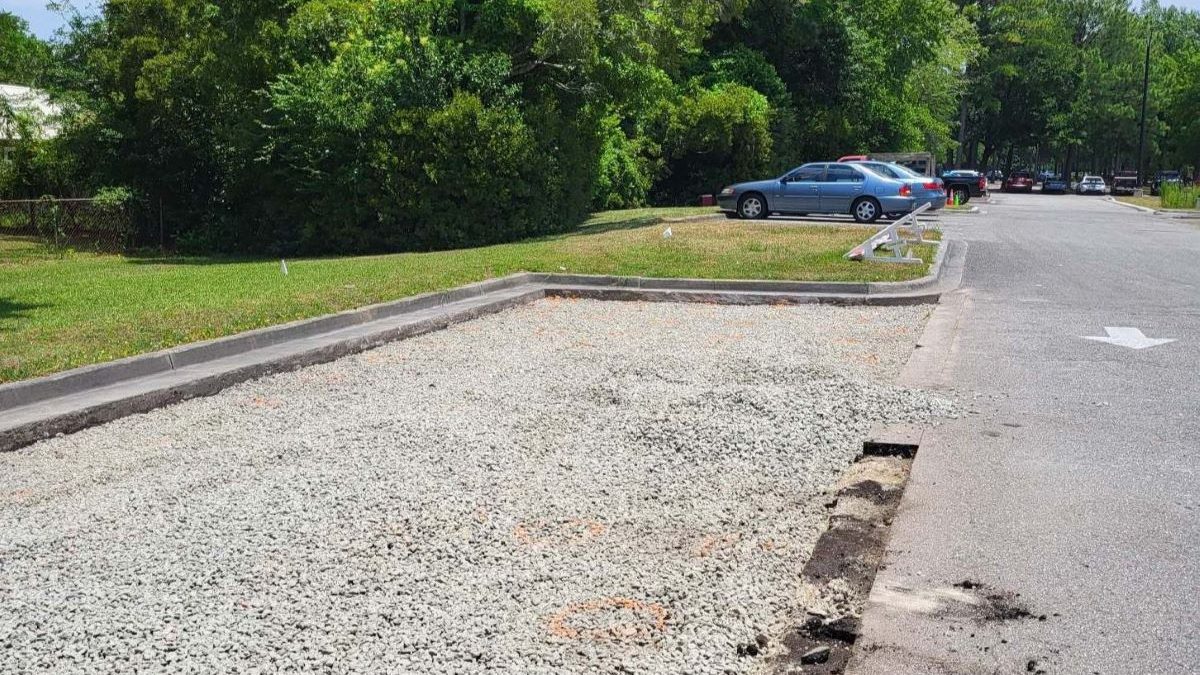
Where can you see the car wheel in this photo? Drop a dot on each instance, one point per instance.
(752, 206)
(961, 195)
(866, 210)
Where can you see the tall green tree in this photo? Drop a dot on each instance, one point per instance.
(25, 57)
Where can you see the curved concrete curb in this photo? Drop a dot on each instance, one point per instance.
(69, 401)
(1143, 209)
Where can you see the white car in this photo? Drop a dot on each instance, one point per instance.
(1091, 185)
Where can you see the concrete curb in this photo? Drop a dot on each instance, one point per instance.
(1143, 209)
(72, 400)
(104, 374)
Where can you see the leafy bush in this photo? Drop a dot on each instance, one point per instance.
(624, 175)
(711, 138)
(113, 197)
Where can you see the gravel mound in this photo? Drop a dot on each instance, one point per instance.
(570, 486)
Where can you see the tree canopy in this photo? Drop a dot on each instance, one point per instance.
(366, 125)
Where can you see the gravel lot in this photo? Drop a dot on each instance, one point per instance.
(570, 486)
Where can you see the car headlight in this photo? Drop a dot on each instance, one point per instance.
(727, 192)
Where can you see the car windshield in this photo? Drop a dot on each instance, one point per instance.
(1093, 179)
(1020, 174)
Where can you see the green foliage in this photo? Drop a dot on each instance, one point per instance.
(1179, 197)
(113, 197)
(363, 125)
(25, 58)
(624, 175)
(712, 137)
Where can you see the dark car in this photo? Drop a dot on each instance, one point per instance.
(1165, 178)
(1056, 185)
(963, 184)
(1124, 183)
(1018, 181)
(995, 175)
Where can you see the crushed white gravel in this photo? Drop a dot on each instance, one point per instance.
(570, 486)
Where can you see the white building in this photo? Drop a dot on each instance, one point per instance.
(16, 100)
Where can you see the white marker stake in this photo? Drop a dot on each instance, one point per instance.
(283, 267)
(1124, 336)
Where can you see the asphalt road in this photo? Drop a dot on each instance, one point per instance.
(1056, 527)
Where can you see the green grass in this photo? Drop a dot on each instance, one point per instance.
(1178, 197)
(1172, 198)
(63, 310)
(1146, 201)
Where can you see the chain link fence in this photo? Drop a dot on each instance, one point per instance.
(76, 223)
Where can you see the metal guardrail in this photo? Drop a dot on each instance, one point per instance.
(76, 222)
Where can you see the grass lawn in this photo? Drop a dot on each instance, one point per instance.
(63, 310)
(1147, 201)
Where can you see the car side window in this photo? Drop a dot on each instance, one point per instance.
(841, 173)
(884, 170)
(807, 174)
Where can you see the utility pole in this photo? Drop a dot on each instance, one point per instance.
(959, 153)
(1142, 124)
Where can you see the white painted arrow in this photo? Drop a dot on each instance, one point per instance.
(1124, 336)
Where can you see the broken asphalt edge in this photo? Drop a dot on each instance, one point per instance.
(65, 402)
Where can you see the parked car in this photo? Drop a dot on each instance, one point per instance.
(962, 185)
(995, 176)
(1018, 181)
(1091, 185)
(1056, 185)
(822, 187)
(1124, 183)
(1165, 178)
(926, 190)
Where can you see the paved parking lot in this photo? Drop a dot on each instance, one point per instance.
(563, 487)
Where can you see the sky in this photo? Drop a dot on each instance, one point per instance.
(44, 21)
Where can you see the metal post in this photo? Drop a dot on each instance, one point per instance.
(1142, 123)
(959, 153)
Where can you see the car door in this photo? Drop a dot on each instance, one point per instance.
(843, 184)
(799, 190)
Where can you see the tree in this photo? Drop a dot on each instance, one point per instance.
(26, 58)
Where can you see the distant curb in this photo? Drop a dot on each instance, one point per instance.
(75, 399)
(1143, 209)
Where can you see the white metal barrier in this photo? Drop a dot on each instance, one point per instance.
(889, 238)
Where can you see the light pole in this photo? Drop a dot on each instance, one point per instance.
(1142, 123)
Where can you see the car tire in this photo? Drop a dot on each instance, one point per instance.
(962, 195)
(752, 206)
(866, 210)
